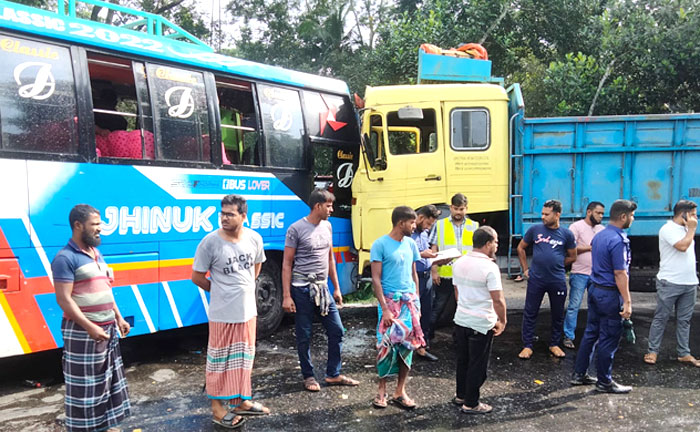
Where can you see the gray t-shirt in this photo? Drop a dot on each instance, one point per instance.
(232, 269)
(312, 244)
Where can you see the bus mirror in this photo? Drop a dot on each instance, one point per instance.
(410, 113)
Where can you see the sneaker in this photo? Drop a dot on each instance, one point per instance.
(612, 387)
(582, 379)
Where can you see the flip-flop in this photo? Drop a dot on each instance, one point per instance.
(255, 409)
(556, 352)
(482, 408)
(229, 421)
(377, 402)
(525, 354)
(343, 381)
(650, 358)
(402, 402)
(310, 384)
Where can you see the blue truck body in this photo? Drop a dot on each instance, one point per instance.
(653, 160)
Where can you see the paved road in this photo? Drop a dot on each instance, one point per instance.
(166, 373)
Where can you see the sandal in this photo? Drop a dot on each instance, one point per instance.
(568, 343)
(518, 278)
(379, 401)
(525, 354)
(404, 402)
(650, 358)
(255, 408)
(342, 380)
(229, 421)
(457, 401)
(557, 352)
(310, 384)
(690, 360)
(482, 408)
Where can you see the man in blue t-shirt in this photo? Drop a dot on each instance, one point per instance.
(553, 247)
(393, 262)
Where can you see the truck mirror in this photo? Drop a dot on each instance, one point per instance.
(410, 113)
(380, 164)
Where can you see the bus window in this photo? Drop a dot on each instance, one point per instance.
(37, 98)
(470, 129)
(330, 117)
(283, 126)
(180, 115)
(118, 126)
(412, 136)
(239, 123)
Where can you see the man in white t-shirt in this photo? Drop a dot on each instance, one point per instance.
(676, 282)
(480, 315)
(233, 256)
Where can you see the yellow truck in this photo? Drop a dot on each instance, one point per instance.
(423, 143)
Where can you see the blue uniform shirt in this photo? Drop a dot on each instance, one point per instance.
(421, 239)
(549, 248)
(611, 251)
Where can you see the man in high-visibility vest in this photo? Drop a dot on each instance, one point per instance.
(453, 232)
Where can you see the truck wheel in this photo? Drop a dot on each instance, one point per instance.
(268, 294)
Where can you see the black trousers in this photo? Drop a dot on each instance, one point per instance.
(473, 352)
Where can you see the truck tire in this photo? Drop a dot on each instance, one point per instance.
(268, 296)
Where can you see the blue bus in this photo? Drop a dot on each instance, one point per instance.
(149, 125)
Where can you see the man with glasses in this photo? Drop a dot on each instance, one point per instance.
(233, 255)
(553, 247)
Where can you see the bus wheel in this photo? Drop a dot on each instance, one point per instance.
(268, 293)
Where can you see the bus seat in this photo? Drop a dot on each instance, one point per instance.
(123, 144)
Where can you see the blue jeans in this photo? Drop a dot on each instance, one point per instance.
(604, 326)
(304, 319)
(425, 289)
(577, 286)
(556, 291)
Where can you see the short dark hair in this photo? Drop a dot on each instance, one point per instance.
(429, 211)
(320, 196)
(555, 205)
(620, 207)
(483, 235)
(237, 200)
(459, 199)
(402, 213)
(81, 213)
(593, 204)
(683, 206)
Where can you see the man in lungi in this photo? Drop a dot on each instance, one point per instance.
(233, 256)
(393, 262)
(306, 266)
(97, 397)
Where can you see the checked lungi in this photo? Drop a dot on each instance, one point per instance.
(230, 356)
(398, 341)
(97, 397)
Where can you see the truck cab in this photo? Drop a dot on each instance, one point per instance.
(423, 143)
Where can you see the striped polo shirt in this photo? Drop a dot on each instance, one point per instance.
(92, 285)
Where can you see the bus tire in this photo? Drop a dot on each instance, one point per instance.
(268, 297)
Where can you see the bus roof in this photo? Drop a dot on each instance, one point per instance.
(164, 47)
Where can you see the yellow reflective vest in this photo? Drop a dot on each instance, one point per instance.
(446, 239)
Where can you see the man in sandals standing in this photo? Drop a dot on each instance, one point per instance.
(480, 315)
(676, 282)
(233, 255)
(553, 247)
(308, 262)
(393, 262)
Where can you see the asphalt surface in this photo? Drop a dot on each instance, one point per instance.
(166, 375)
